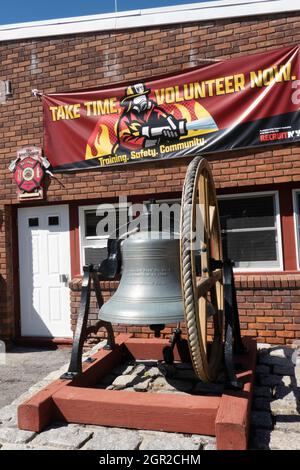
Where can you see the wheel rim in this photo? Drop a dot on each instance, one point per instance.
(202, 286)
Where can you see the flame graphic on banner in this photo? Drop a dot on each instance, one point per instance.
(102, 144)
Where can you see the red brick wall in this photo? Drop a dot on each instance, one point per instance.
(269, 308)
(95, 59)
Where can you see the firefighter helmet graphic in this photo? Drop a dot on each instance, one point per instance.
(133, 91)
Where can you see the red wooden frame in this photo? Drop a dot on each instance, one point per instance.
(76, 401)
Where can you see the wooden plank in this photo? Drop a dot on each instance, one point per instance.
(152, 411)
(103, 362)
(152, 348)
(38, 411)
(233, 418)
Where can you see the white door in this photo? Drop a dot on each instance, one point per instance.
(44, 263)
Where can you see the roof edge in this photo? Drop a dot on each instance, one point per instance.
(193, 12)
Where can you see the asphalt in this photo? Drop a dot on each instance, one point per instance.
(24, 367)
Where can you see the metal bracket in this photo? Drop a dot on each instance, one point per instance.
(233, 340)
(168, 351)
(82, 331)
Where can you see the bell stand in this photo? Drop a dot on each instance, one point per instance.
(109, 270)
(74, 399)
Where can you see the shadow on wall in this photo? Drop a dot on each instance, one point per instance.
(3, 286)
(3, 293)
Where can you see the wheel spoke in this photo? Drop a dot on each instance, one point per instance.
(212, 214)
(202, 304)
(204, 284)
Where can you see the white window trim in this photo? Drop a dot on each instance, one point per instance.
(278, 230)
(296, 211)
(82, 237)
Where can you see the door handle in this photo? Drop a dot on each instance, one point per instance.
(64, 278)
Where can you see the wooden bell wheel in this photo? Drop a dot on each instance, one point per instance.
(201, 277)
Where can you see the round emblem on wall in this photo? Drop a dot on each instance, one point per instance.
(28, 174)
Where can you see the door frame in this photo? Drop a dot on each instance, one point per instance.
(54, 342)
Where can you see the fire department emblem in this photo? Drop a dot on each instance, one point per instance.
(28, 174)
(29, 169)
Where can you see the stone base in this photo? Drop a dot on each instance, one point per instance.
(225, 416)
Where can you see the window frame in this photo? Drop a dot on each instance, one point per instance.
(296, 217)
(275, 194)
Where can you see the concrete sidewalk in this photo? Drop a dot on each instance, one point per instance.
(275, 416)
(25, 367)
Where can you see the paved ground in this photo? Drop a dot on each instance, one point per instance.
(276, 405)
(275, 416)
(26, 366)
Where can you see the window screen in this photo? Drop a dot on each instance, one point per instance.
(249, 230)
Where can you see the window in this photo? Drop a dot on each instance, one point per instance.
(167, 217)
(250, 227)
(53, 220)
(94, 241)
(94, 230)
(33, 222)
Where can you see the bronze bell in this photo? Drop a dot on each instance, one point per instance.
(149, 292)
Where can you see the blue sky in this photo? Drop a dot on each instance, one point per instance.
(18, 11)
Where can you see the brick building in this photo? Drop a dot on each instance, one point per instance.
(101, 50)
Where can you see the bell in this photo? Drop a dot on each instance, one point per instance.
(149, 292)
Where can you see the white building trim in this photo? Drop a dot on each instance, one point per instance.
(193, 12)
(296, 210)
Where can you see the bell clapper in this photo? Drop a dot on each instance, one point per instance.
(157, 328)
